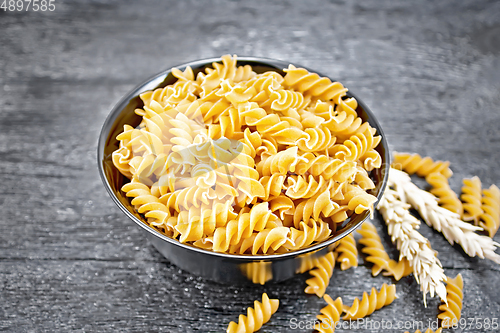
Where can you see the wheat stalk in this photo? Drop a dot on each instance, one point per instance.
(402, 226)
(453, 228)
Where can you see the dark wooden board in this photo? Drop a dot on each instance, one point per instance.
(71, 261)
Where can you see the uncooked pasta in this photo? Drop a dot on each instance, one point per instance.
(376, 254)
(422, 166)
(330, 315)
(321, 275)
(447, 198)
(452, 312)
(347, 252)
(490, 219)
(256, 316)
(369, 303)
(234, 161)
(373, 248)
(472, 198)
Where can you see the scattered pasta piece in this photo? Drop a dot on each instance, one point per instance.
(398, 269)
(451, 313)
(369, 304)
(330, 315)
(347, 252)
(490, 218)
(321, 275)
(428, 331)
(422, 166)
(256, 316)
(471, 196)
(372, 246)
(447, 198)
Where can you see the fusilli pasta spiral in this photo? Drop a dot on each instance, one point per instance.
(441, 189)
(376, 254)
(356, 147)
(283, 100)
(327, 167)
(321, 275)
(330, 315)
(369, 304)
(313, 85)
(490, 218)
(307, 233)
(256, 316)
(372, 246)
(451, 312)
(347, 252)
(298, 187)
(266, 241)
(398, 269)
(318, 139)
(422, 166)
(472, 198)
(357, 199)
(257, 219)
(343, 124)
(149, 205)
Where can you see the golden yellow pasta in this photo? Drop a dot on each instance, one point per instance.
(256, 316)
(422, 166)
(357, 199)
(347, 252)
(376, 254)
(307, 262)
(240, 162)
(307, 233)
(450, 313)
(343, 123)
(330, 315)
(441, 189)
(439, 330)
(258, 218)
(267, 241)
(148, 204)
(356, 146)
(373, 248)
(398, 269)
(321, 275)
(490, 218)
(302, 187)
(258, 272)
(326, 166)
(368, 304)
(315, 86)
(472, 198)
(312, 208)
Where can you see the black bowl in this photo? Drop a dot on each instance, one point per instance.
(221, 267)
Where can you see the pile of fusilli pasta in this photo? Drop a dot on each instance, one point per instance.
(239, 162)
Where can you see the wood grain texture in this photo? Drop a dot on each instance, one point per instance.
(71, 261)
